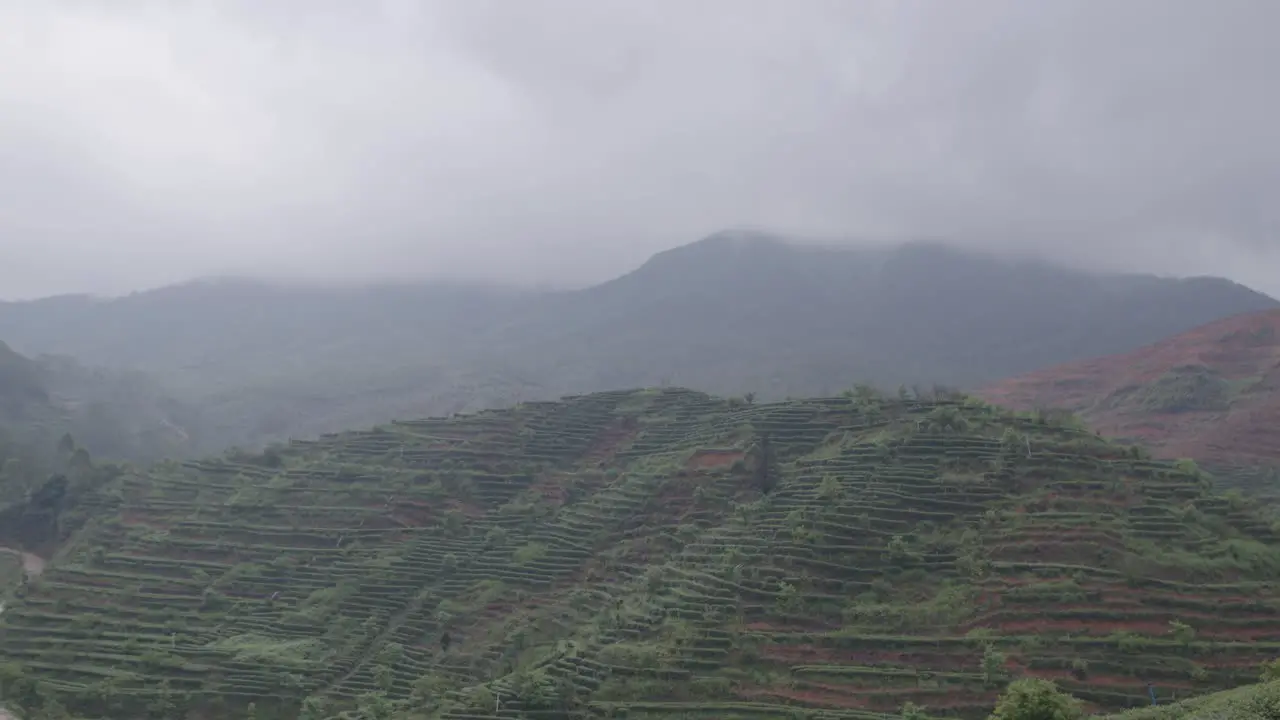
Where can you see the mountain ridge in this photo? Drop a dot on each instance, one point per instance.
(737, 312)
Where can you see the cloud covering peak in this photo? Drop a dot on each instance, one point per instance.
(566, 140)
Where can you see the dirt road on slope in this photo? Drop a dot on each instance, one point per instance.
(33, 565)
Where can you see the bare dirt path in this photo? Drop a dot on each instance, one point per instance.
(33, 565)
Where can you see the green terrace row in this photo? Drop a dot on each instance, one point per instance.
(303, 575)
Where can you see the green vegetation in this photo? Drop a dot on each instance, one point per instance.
(650, 554)
(10, 570)
(1184, 389)
(1035, 699)
(45, 403)
(1255, 702)
(1257, 481)
(1040, 700)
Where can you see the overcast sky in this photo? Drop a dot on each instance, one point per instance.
(566, 140)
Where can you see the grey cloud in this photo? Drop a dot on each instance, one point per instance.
(565, 140)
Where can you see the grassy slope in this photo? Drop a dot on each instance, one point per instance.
(616, 548)
(1253, 702)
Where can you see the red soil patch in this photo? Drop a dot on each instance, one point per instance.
(552, 485)
(813, 625)
(1146, 627)
(1130, 684)
(1095, 628)
(710, 459)
(467, 509)
(611, 440)
(1237, 348)
(762, 626)
(1065, 551)
(134, 517)
(674, 502)
(814, 696)
(887, 699)
(412, 513)
(961, 660)
(1035, 535)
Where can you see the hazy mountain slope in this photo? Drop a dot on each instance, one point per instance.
(614, 555)
(1212, 393)
(112, 413)
(55, 417)
(730, 314)
(734, 313)
(218, 333)
(21, 387)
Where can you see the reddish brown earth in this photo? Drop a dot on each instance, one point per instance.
(886, 699)
(708, 459)
(610, 441)
(1243, 348)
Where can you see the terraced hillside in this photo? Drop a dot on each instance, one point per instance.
(651, 554)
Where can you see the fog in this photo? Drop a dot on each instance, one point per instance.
(564, 141)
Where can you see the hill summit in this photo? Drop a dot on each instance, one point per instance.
(650, 554)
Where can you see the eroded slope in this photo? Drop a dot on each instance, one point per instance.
(1212, 394)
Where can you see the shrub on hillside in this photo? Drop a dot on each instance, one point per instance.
(1036, 699)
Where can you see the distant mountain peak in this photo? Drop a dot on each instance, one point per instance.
(730, 240)
(742, 238)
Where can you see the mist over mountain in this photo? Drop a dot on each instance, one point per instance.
(736, 312)
(51, 406)
(358, 360)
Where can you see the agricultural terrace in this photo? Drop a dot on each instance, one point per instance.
(653, 554)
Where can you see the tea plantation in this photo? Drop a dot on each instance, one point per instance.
(650, 554)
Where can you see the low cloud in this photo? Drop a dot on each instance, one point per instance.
(563, 141)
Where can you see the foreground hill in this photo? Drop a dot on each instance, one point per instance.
(734, 313)
(651, 554)
(1212, 393)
